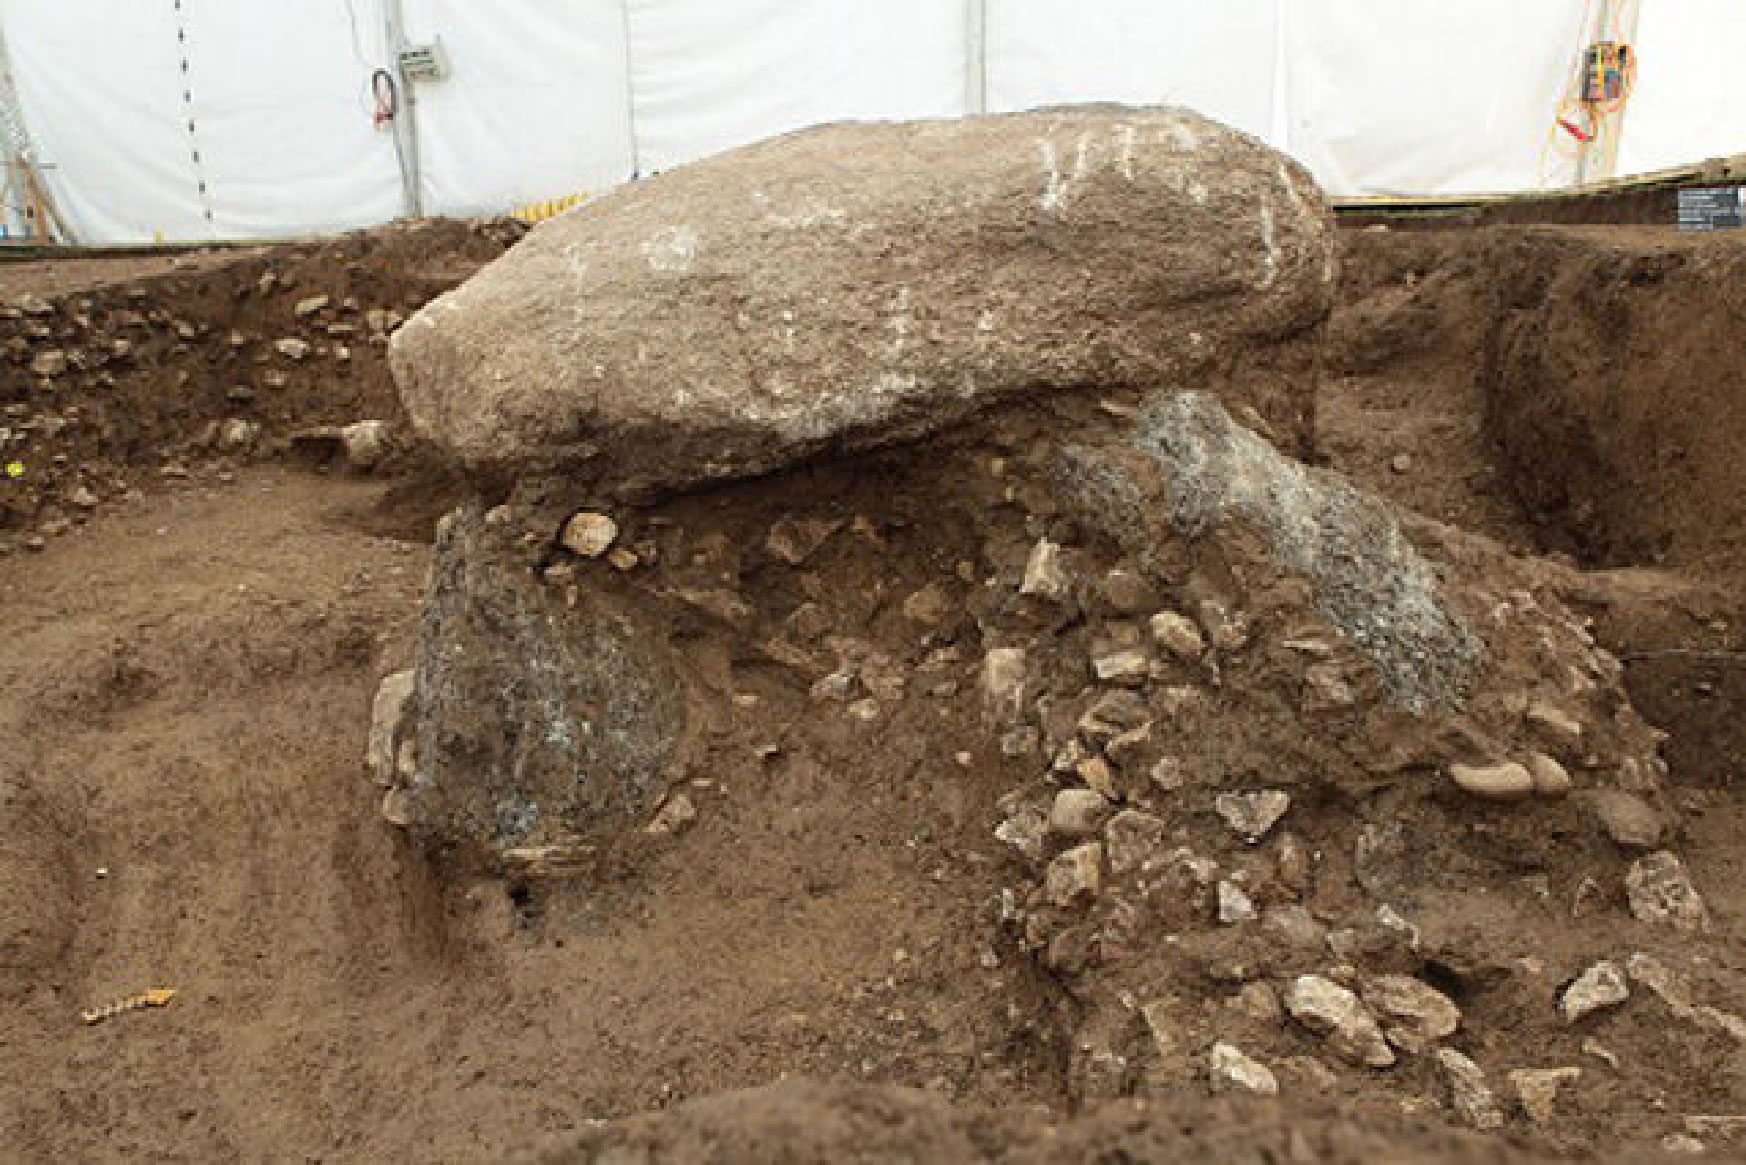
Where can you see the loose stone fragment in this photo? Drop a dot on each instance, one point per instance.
(1131, 838)
(1601, 986)
(674, 817)
(1075, 876)
(1045, 574)
(1626, 818)
(1500, 782)
(1078, 813)
(1228, 1069)
(1551, 779)
(1252, 815)
(1414, 1014)
(1469, 1095)
(1178, 635)
(1234, 905)
(1537, 1089)
(1128, 667)
(589, 534)
(1333, 1012)
(1003, 684)
(1660, 891)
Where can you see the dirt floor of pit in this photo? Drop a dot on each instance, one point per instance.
(185, 700)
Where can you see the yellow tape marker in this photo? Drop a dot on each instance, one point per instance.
(15, 469)
(157, 997)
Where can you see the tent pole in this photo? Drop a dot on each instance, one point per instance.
(23, 174)
(976, 89)
(1599, 157)
(405, 123)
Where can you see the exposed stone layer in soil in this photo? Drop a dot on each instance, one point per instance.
(187, 698)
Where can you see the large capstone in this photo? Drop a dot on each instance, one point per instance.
(859, 285)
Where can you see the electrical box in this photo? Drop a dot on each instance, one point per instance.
(1606, 72)
(424, 62)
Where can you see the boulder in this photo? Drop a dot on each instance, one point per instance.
(858, 285)
(536, 724)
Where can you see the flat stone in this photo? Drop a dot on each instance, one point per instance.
(1230, 1070)
(308, 307)
(589, 534)
(769, 305)
(1129, 667)
(675, 816)
(1336, 1014)
(1507, 781)
(1660, 891)
(1414, 1015)
(1537, 1090)
(1469, 1095)
(1626, 818)
(50, 363)
(1601, 986)
(1252, 815)
(292, 348)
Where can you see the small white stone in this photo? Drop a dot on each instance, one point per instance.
(1130, 666)
(1045, 574)
(1234, 905)
(589, 534)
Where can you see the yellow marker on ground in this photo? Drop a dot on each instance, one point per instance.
(15, 469)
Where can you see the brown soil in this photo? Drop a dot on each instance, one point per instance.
(187, 695)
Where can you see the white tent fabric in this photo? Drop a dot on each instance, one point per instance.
(1690, 102)
(1412, 98)
(1221, 59)
(708, 75)
(199, 119)
(536, 106)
